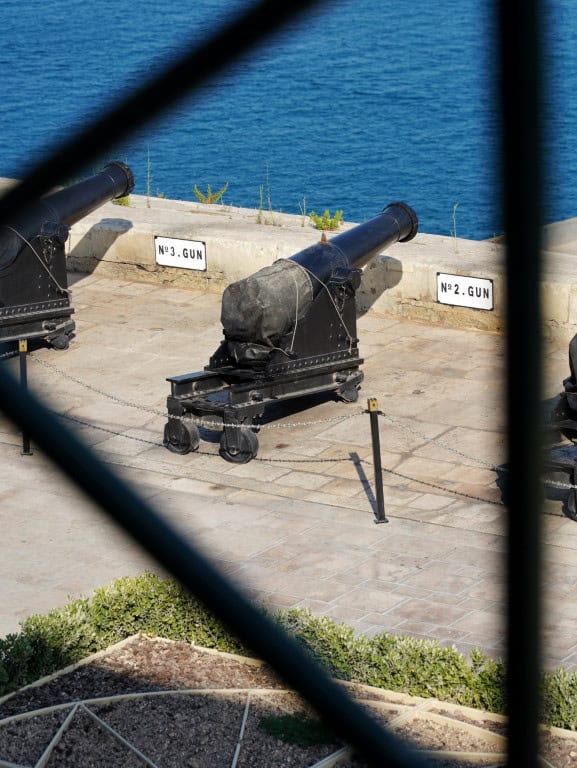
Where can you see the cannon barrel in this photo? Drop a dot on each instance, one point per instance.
(267, 305)
(34, 297)
(64, 207)
(69, 205)
(73, 203)
(353, 249)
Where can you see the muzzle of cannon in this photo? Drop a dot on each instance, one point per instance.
(34, 295)
(289, 331)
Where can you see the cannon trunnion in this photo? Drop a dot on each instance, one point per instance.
(289, 331)
(34, 296)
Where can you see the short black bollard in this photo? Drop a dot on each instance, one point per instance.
(23, 351)
(373, 410)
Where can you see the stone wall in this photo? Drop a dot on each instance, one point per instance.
(119, 241)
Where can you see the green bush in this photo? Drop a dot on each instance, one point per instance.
(417, 667)
(61, 637)
(326, 221)
(560, 699)
(210, 197)
(16, 662)
(159, 607)
(124, 200)
(146, 604)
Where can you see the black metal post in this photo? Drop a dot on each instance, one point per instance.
(373, 410)
(521, 29)
(23, 353)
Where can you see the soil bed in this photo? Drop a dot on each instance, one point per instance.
(152, 702)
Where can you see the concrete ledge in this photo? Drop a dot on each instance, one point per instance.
(118, 241)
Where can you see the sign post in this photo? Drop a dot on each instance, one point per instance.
(23, 351)
(373, 410)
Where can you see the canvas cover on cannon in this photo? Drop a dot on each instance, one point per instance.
(289, 331)
(34, 296)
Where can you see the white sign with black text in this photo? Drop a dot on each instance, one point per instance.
(465, 291)
(187, 254)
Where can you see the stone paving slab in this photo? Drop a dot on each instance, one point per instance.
(294, 527)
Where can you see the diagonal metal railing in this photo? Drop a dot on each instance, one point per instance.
(518, 45)
(520, 26)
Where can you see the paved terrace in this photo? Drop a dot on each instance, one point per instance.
(295, 526)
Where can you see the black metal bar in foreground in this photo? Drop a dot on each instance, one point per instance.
(373, 410)
(520, 106)
(202, 579)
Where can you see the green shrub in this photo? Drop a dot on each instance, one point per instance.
(210, 197)
(16, 661)
(125, 200)
(326, 221)
(61, 637)
(150, 605)
(560, 699)
(490, 682)
(145, 603)
(155, 606)
(334, 645)
(417, 667)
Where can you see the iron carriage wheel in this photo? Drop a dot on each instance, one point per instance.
(181, 436)
(242, 448)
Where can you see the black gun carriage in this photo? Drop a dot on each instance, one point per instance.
(561, 460)
(34, 295)
(289, 331)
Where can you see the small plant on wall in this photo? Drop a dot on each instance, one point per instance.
(122, 200)
(210, 196)
(326, 221)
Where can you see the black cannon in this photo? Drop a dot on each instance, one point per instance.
(561, 460)
(34, 295)
(289, 331)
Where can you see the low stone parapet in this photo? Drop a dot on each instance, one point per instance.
(403, 282)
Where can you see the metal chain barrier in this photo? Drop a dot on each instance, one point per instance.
(9, 355)
(199, 422)
(107, 430)
(336, 460)
(407, 428)
(208, 424)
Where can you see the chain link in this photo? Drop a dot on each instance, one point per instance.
(207, 423)
(339, 459)
(157, 444)
(107, 430)
(558, 484)
(92, 388)
(277, 425)
(443, 488)
(219, 425)
(407, 428)
(336, 460)
(9, 355)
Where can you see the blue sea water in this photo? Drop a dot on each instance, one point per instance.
(360, 103)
